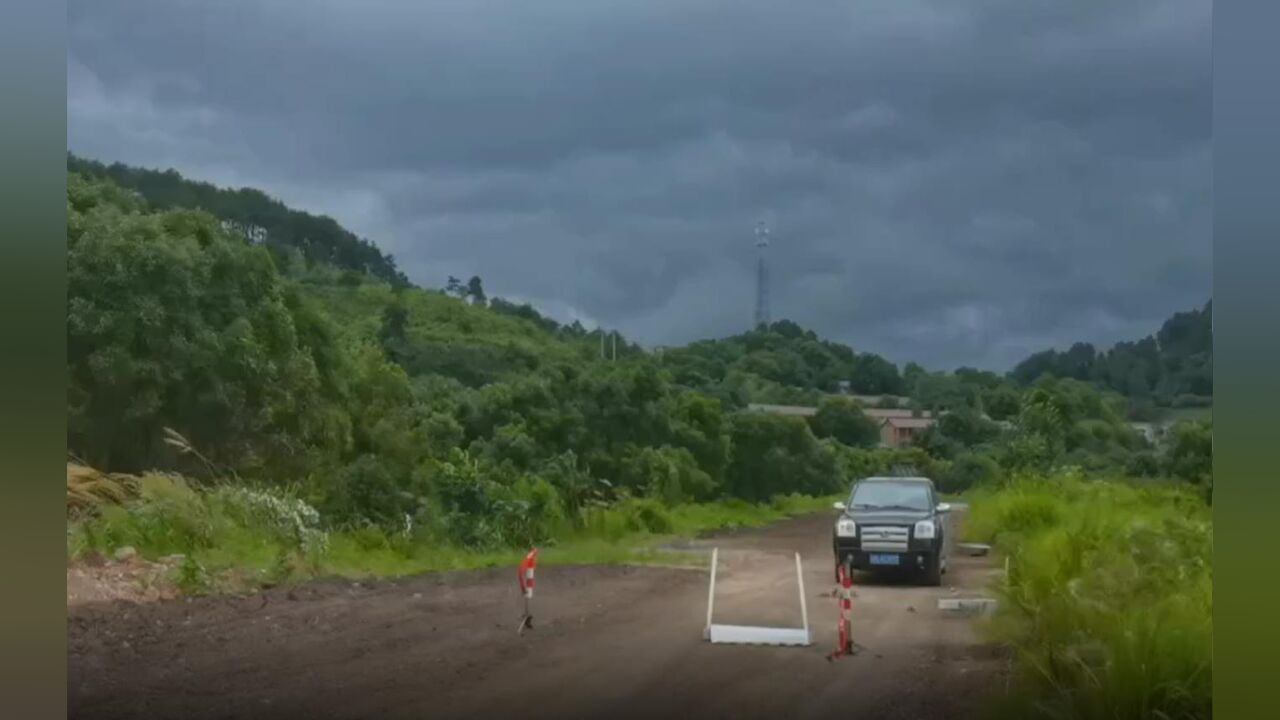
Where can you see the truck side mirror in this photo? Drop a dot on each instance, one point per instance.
(838, 506)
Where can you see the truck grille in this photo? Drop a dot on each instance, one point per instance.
(884, 537)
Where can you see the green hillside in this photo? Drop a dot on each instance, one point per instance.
(284, 231)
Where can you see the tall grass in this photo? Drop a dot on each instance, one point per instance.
(1108, 600)
(232, 536)
(88, 489)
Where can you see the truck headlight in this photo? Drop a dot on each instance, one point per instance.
(846, 528)
(924, 530)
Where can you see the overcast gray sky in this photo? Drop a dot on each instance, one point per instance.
(955, 182)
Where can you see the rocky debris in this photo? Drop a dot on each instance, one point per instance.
(127, 576)
(970, 606)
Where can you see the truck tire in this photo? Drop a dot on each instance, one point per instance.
(933, 569)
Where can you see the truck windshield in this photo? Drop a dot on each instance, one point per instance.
(890, 496)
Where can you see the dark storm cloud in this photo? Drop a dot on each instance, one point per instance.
(950, 182)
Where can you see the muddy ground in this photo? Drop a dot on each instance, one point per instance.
(615, 642)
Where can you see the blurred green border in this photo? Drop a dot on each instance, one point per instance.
(1246, 113)
(32, 432)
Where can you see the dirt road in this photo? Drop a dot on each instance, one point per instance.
(608, 642)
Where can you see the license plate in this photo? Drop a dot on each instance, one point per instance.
(877, 559)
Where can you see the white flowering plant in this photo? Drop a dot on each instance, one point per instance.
(290, 518)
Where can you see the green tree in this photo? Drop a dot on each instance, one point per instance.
(843, 419)
(667, 474)
(475, 290)
(700, 428)
(967, 427)
(1002, 402)
(778, 454)
(911, 375)
(171, 322)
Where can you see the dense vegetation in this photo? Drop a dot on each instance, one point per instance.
(380, 401)
(232, 537)
(1173, 368)
(1108, 602)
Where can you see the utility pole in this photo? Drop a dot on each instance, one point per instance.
(615, 346)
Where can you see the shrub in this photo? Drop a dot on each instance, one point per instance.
(669, 474)
(647, 515)
(371, 488)
(167, 517)
(225, 525)
(1015, 512)
(527, 513)
(192, 578)
(289, 519)
(967, 471)
(605, 523)
(1190, 452)
(1142, 465)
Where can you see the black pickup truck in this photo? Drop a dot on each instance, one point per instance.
(893, 523)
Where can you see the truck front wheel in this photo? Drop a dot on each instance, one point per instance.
(933, 569)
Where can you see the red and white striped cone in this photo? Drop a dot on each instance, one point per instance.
(844, 629)
(525, 578)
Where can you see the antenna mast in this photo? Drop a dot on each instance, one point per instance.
(762, 275)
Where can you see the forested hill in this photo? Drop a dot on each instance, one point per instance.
(1173, 367)
(287, 233)
(781, 363)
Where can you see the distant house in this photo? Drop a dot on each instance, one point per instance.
(897, 427)
(897, 432)
(880, 414)
(874, 400)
